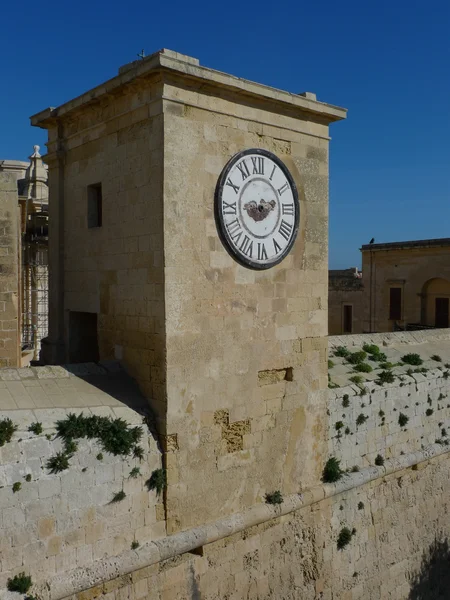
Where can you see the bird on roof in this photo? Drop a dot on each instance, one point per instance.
(372, 241)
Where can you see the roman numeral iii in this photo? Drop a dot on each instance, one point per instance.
(287, 209)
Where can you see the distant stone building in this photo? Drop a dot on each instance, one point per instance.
(345, 301)
(24, 264)
(405, 285)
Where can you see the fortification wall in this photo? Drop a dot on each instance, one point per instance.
(66, 533)
(53, 522)
(368, 419)
(296, 556)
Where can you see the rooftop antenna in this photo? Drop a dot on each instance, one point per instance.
(142, 54)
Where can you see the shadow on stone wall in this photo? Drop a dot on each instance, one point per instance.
(432, 581)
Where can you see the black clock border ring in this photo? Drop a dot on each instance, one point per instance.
(220, 224)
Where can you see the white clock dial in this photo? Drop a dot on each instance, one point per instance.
(257, 209)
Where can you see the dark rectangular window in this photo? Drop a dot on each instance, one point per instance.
(94, 209)
(348, 318)
(395, 304)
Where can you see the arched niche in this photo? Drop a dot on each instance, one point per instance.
(436, 302)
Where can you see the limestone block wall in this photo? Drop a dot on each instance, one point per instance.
(381, 433)
(9, 272)
(115, 270)
(51, 523)
(337, 298)
(422, 397)
(400, 523)
(63, 530)
(245, 349)
(412, 269)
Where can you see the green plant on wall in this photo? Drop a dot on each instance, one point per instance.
(344, 538)
(361, 419)
(20, 583)
(412, 359)
(363, 368)
(274, 498)
(58, 463)
(341, 351)
(135, 472)
(157, 481)
(7, 428)
(371, 349)
(138, 452)
(345, 401)
(332, 470)
(402, 420)
(35, 428)
(379, 460)
(385, 377)
(381, 357)
(114, 435)
(356, 379)
(118, 497)
(355, 358)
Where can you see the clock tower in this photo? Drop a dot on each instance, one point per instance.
(188, 239)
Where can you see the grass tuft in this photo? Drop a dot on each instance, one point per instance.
(332, 471)
(157, 481)
(274, 498)
(7, 428)
(20, 583)
(35, 428)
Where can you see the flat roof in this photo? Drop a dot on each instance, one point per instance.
(186, 66)
(405, 245)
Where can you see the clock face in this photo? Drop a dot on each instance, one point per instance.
(257, 209)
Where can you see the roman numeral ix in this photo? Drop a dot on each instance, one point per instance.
(229, 209)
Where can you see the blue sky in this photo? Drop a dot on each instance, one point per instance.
(387, 62)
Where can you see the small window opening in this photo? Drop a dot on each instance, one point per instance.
(95, 205)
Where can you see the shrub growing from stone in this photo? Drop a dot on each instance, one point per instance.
(412, 359)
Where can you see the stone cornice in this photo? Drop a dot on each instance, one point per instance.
(188, 68)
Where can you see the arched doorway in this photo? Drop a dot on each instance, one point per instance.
(436, 302)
